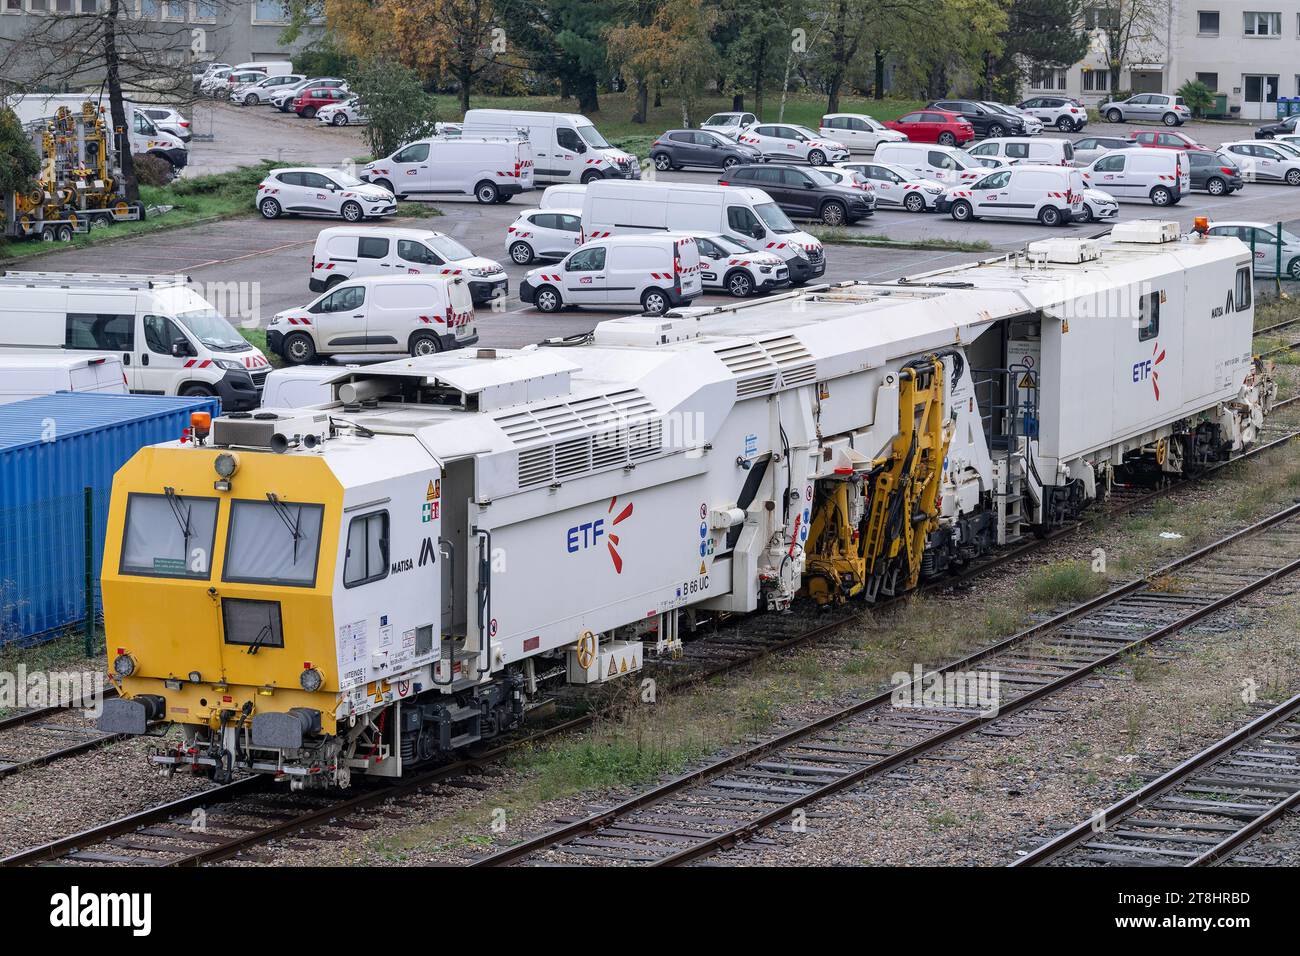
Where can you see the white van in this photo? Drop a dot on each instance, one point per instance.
(491, 170)
(566, 146)
(353, 252)
(946, 164)
(170, 340)
(1161, 177)
(562, 197)
(1051, 194)
(656, 272)
(397, 313)
(1047, 151)
(300, 386)
(269, 67)
(743, 215)
(29, 374)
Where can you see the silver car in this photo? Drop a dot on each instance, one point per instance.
(1163, 107)
(1262, 238)
(896, 185)
(729, 125)
(260, 91)
(1092, 148)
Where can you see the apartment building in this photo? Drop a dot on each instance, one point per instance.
(229, 31)
(1247, 50)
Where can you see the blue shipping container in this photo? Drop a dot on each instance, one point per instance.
(51, 449)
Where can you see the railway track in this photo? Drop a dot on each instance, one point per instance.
(41, 735)
(171, 839)
(721, 805)
(1199, 813)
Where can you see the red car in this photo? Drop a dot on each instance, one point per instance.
(934, 126)
(1163, 139)
(306, 103)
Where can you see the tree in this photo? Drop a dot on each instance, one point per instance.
(577, 29)
(398, 108)
(112, 48)
(755, 54)
(1049, 32)
(631, 49)
(19, 162)
(1197, 96)
(1128, 29)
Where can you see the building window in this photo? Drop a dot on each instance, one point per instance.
(149, 9)
(173, 10)
(1262, 24)
(1046, 77)
(1207, 23)
(89, 6)
(38, 6)
(1211, 80)
(1100, 17)
(204, 11)
(269, 11)
(1096, 81)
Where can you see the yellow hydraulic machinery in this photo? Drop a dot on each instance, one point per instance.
(79, 185)
(870, 522)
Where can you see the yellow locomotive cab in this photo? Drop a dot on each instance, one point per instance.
(217, 592)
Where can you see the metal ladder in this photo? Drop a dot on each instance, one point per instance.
(1008, 493)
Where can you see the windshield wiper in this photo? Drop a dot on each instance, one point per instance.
(181, 512)
(292, 523)
(262, 635)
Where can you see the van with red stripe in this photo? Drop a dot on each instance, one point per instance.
(169, 339)
(491, 169)
(657, 272)
(743, 214)
(416, 314)
(1053, 195)
(1161, 177)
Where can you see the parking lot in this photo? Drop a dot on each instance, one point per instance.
(274, 256)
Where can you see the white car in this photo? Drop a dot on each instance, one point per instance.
(261, 91)
(1051, 194)
(858, 131)
(221, 89)
(728, 266)
(315, 191)
(543, 234)
(841, 175)
(349, 252)
(657, 272)
(1263, 162)
(730, 125)
(1261, 238)
(899, 186)
(168, 120)
(791, 142)
(1099, 206)
(201, 71)
(450, 130)
(214, 81)
(1059, 111)
(420, 315)
(347, 113)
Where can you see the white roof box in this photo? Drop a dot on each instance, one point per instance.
(1069, 251)
(1146, 230)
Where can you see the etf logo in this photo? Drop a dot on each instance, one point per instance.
(1146, 369)
(589, 533)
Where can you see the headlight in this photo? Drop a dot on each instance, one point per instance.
(225, 464)
(934, 190)
(765, 269)
(229, 365)
(123, 665)
(482, 271)
(311, 680)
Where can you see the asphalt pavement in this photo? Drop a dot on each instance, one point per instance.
(270, 260)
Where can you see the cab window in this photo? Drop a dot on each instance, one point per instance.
(1017, 150)
(342, 300)
(568, 139)
(273, 542)
(1109, 164)
(586, 260)
(168, 536)
(96, 330)
(161, 333)
(413, 251)
(1148, 316)
(253, 624)
(1244, 289)
(415, 153)
(366, 559)
(743, 221)
(996, 181)
(941, 160)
